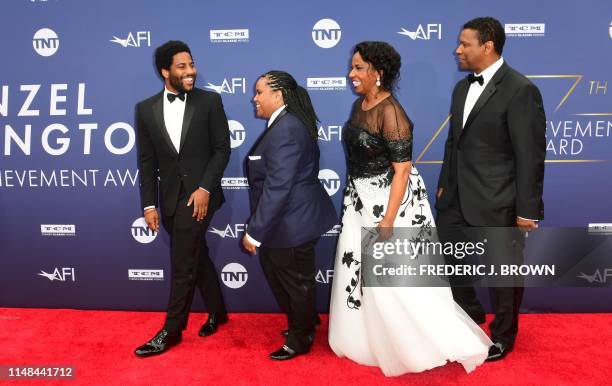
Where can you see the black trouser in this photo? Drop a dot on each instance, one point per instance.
(191, 266)
(291, 275)
(507, 244)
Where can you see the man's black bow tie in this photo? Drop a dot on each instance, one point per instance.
(171, 97)
(472, 78)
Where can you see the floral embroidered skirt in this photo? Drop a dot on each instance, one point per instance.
(399, 329)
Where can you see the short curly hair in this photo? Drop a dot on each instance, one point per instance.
(383, 57)
(165, 53)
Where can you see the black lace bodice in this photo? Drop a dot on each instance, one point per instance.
(377, 137)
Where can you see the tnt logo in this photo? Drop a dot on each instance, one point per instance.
(326, 33)
(330, 181)
(329, 133)
(139, 39)
(234, 275)
(231, 232)
(59, 274)
(237, 133)
(45, 42)
(141, 232)
(427, 32)
(231, 86)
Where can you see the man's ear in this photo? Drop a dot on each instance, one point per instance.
(165, 73)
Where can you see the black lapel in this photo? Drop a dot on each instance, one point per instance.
(486, 95)
(189, 110)
(261, 137)
(464, 86)
(158, 113)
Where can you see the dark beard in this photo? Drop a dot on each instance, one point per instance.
(178, 85)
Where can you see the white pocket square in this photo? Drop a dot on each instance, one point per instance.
(254, 157)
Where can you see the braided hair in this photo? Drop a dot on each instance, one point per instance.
(296, 98)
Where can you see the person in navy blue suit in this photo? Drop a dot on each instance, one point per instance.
(290, 209)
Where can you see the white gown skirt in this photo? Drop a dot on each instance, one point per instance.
(399, 329)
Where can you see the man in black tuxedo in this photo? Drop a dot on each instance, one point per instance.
(183, 148)
(493, 169)
(290, 208)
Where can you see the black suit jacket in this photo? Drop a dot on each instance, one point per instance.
(496, 162)
(288, 203)
(201, 160)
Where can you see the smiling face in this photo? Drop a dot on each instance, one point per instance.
(181, 75)
(266, 100)
(471, 54)
(363, 75)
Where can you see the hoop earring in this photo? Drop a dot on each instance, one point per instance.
(377, 82)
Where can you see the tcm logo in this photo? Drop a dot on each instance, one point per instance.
(334, 232)
(146, 274)
(598, 276)
(234, 183)
(45, 42)
(234, 275)
(229, 35)
(138, 39)
(600, 228)
(329, 133)
(325, 277)
(57, 230)
(59, 274)
(424, 32)
(325, 84)
(229, 86)
(141, 232)
(237, 133)
(230, 232)
(330, 181)
(326, 33)
(525, 29)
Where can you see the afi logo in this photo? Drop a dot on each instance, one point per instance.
(329, 133)
(324, 277)
(229, 231)
(60, 274)
(330, 181)
(231, 86)
(141, 232)
(326, 33)
(597, 276)
(237, 133)
(234, 275)
(427, 32)
(141, 39)
(45, 42)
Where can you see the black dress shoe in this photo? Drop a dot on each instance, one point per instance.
(161, 343)
(285, 332)
(497, 351)
(284, 353)
(213, 323)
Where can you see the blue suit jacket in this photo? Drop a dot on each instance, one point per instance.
(288, 203)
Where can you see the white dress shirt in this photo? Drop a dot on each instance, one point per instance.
(476, 89)
(272, 118)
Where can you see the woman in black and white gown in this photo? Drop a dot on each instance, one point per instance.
(399, 329)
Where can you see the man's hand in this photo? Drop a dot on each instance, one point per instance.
(439, 193)
(526, 225)
(152, 219)
(251, 248)
(199, 199)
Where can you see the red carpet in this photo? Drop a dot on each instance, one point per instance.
(552, 349)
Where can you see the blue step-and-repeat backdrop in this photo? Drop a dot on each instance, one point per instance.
(71, 71)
